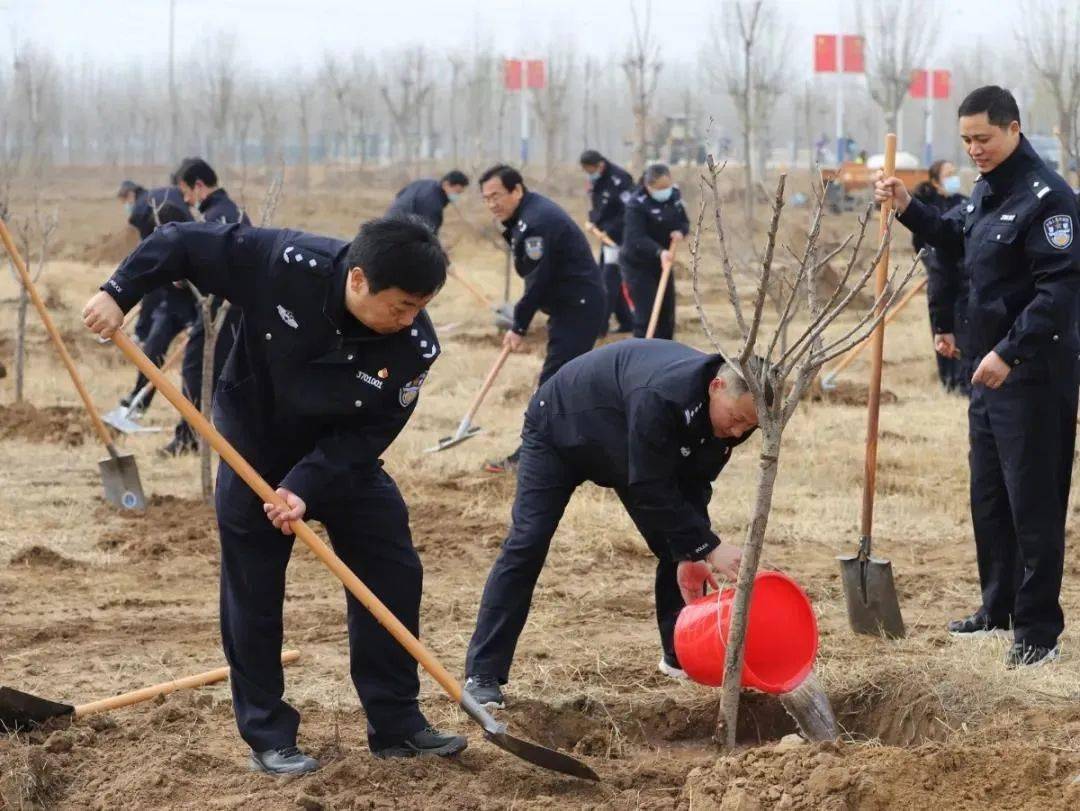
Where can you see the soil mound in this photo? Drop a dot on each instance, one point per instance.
(111, 248)
(41, 557)
(169, 526)
(64, 425)
(850, 393)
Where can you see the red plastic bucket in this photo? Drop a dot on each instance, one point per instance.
(781, 636)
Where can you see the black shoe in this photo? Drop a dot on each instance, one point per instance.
(977, 626)
(288, 760)
(486, 691)
(425, 742)
(125, 401)
(177, 448)
(1021, 654)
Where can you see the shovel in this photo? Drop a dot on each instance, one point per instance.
(120, 417)
(872, 604)
(493, 730)
(119, 475)
(19, 710)
(466, 430)
(658, 301)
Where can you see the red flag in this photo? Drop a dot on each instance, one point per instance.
(941, 84)
(534, 73)
(512, 74)
(919, 84)
(852, 47)
(825, 53)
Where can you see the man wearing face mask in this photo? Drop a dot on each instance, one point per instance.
(333, 349)
(166, 311)
(655, 220)
(198, 182)
(561, 277)
(1017, 236)
(427, 198)
(610, 187)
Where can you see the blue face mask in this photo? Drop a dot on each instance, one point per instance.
(951, 184)
(661, 195)
(129, 208)
(593, 176)
(453, 196)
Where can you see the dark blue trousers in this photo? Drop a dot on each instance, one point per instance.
(193, 363)
(572, 329)
(617, 303)
(368, 525)
(544, 485)
(643, 284)
(171, 316)
(1022, 440)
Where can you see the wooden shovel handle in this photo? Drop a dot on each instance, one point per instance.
(264, 491)
(472, 288)
(658, 300)
(166, 687)
(877, 346)
(895, 311)
(489, 381)
(50, 327)
(604, 238)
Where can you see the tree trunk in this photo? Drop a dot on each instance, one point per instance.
(20, 343)
(755, 538)
(206, 406)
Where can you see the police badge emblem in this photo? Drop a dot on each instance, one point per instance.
(411, 390)
(534, 248)
(1059, 231)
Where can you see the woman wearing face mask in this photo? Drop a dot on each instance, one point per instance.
(947, 285)
(655, 221)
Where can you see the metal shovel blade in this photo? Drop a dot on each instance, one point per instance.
(872, 604)
(19, 710)
(120, 476)
(456, 439)
(120, 419)
(532, 752)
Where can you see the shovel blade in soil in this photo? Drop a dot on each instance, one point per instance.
(541, 756)
(872, 604)
(450, 441)
(120, 477)
(19, 710)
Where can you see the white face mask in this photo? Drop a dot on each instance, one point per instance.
(453, 196)
(661, 195)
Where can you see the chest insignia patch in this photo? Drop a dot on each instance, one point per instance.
(371, 381)
(534, 248)
(287, 317)
(1059, 231)
(625, 197)
(411, 390)
(1008, 217)
(684, 451)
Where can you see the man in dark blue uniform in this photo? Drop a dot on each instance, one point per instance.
(655, 220)
(198, 183)
(427, 198)
(610, 187)
(332, 352)
(656, 421)
(166, 311)
(561, 277)
(1017, 235)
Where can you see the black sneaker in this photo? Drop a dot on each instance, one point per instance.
(289, 760)
(427, 741)
(977, 626)
(486, 691)
(1021, 654)
(177, 448)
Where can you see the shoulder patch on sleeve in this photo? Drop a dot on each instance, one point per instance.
(308, 251)
(1059, 231)
(534, 248)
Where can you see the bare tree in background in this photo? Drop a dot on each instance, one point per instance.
(268, 109)
(413, 88)
(642, 67)
(550, 105)
(36, 91)
(219, 69)
(1051, 37)
(787, 374)
(748, 58)
(33, 233)
(335, 74)
(898, 36)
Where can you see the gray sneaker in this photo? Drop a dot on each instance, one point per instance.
(287, 760)
(428, 741)
(486, 691)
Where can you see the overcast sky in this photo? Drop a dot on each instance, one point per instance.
(280, 34)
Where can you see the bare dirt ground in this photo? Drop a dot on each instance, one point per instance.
(95, 602)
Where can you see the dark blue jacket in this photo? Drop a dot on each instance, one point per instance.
(553, 256)
(648, 229)
(424, 198)
(1018, 238)
(634, 415)
(308, 393)
(608, 195)
(142, 215)
(947, 281)
(218, 207)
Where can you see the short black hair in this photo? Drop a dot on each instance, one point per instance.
(590, 157)
(170, 212)
(455, 177)
(997, 102)
(399, 251)
(509, 176)
(194, 169)
(128, 186)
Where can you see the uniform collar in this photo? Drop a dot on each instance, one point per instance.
(1022, 160)
(525, 198)
(211, 199)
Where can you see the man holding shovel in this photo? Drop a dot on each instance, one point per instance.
(426, 198)
(654, 420)
(610, 187)
(1017, 234)
(326, 371)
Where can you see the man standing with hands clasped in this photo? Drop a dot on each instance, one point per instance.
(1018, 237)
